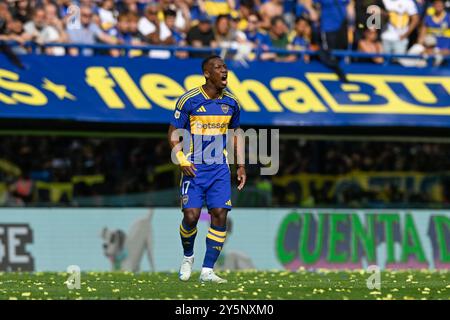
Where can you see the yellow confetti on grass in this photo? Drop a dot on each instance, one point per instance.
(26, 294)
(375, 292)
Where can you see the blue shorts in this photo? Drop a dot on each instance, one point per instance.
(211, 183)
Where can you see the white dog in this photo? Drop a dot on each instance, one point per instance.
(126, 251)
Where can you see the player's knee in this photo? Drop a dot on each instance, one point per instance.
(191, 217)
(219, 216)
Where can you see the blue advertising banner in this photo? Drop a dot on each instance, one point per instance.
(143, 90)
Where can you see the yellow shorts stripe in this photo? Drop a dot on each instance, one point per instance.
(218, 233)
(212, 237)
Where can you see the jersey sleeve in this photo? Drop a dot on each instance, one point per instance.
(180, 117)
(235, 118)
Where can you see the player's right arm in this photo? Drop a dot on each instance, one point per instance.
(187, 167)
(180, 121)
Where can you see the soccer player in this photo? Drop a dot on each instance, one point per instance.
(206, 112)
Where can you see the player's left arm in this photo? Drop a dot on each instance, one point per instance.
(239, 151)
(239, 147)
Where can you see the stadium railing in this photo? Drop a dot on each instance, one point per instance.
(347, 56)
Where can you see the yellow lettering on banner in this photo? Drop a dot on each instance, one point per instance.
(242, 92)
(21, 92)
(130, 89)
(98, 78)
(5, 99)
(299, 98)
(161, 89)
(193, 81)
(416, 86)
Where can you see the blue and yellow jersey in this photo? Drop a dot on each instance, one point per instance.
(206, 120)
(297, 42)
(440, 28)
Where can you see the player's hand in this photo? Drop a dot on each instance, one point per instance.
(242, 177)
(189, 170)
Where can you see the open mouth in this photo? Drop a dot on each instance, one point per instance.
(224, 79)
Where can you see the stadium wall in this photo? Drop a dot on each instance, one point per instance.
(265, 239)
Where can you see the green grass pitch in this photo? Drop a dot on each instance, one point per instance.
(241, 285)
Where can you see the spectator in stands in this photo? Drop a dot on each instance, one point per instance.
(269, 10)
(403, 18)
(279, 40)
(254, 33)
(336, 20)
(201, 35)
(22, 189)
(426, 49)
(88, 33)
(246, 8)
(169, 34)
(365, 17)
(300, 38)
(148, 25)
(182, 19)
(121, 32)
(258, 38)
(128, 6)
(225, 35)
(370, 44)
(14, 32)
(437, 23)
(107, 14)
(52, 19)
(136, 35)
(21, 11)
(41, 32)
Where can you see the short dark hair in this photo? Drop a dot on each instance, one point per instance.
(301, 18)
(208, 59)
(222, 16)
(256, 14)
(170, 13)
(276, 19)
(247, 3)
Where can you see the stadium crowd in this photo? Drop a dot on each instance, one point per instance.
(252, 26)
(39, 170)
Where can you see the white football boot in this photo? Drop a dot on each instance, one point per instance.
(186, 268)
(208, 275)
